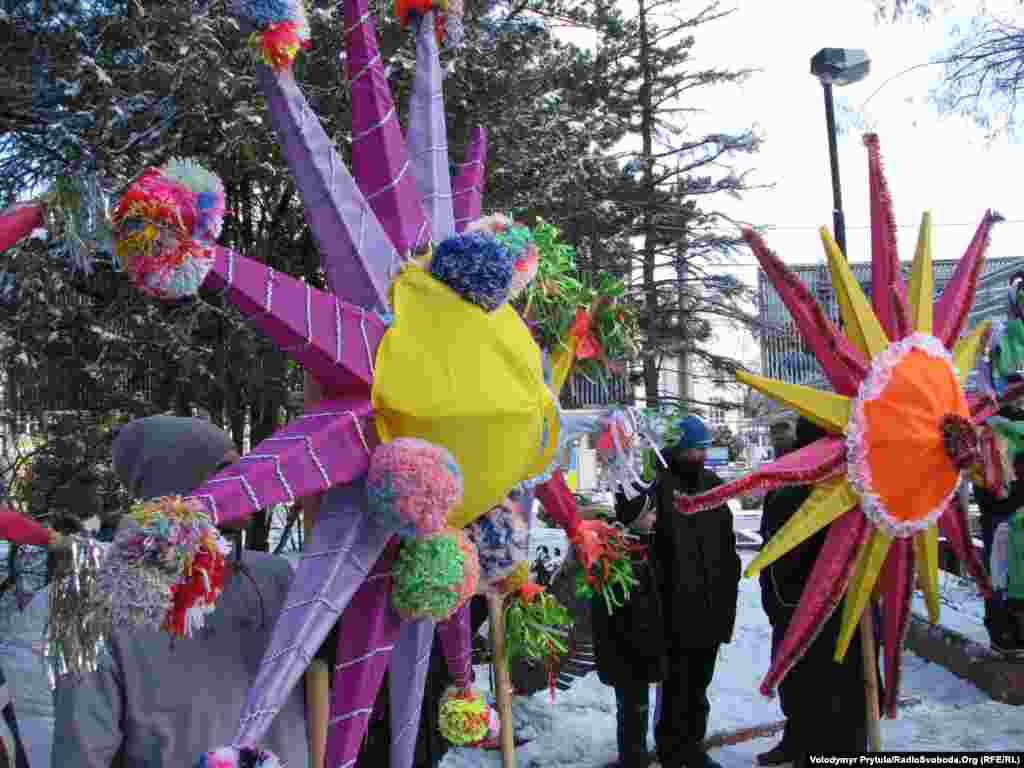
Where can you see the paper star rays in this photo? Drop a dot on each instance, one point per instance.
(901, 432)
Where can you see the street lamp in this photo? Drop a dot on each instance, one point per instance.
(837, 66)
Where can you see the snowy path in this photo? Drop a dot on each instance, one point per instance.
(578, 730)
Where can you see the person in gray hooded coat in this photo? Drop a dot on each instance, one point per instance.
(155, 702)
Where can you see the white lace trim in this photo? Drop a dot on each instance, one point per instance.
(859, 472)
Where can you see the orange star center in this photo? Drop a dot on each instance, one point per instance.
(910, 470)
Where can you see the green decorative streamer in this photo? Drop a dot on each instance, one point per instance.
(536, 629)
(550, 302)
(615, 589)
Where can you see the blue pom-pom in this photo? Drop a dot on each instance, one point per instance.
(263, 13)
(477, 267)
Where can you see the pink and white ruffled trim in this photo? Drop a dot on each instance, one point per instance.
(859, 471)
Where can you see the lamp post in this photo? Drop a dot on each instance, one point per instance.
(842, 66)
(837, 66)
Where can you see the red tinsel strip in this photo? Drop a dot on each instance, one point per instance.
(559, 503)
(886, 276)
(816, 462)
(897, 581)
(19, 220)
(904, 326)
(842, 363)
(953, 525)
(20, 529)
(828, 581)
(958, 295)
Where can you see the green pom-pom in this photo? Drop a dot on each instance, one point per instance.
(427, 577)
(465, 717)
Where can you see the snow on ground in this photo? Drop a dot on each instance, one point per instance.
(578, 729)
(963, 608)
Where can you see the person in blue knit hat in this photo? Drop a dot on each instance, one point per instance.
(699, 573)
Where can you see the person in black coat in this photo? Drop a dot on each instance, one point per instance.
(629, 641)
(700, 584)
(823, 701)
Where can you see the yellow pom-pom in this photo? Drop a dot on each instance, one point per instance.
(465, 717)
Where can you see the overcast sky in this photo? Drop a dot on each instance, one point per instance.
(943, 164)
(937, 163)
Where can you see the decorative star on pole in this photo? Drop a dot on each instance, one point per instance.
(902, 433)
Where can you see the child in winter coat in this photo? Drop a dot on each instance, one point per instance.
(629, 645)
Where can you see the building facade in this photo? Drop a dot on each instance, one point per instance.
(785, 356)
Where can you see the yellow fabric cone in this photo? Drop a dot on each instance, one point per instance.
(826, 409)
(863, 322)
(926, 550)
(920, 292)
(850, 325)
(469, 380)
(561, 361)
(862, 583)
(965, 353)
(827, 502)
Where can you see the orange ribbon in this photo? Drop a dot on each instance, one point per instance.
(529, 591)
(587, 344)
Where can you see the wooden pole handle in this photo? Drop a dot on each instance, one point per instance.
(867, 649)
(503, 694)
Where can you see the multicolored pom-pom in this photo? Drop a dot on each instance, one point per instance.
(502, 539)
(282, 30)
(518, 239)
(239, 757)
(406, 10)
(465, 717)
(477, 267)
(435, 576)
(165, 226)
(412, 484)
(165, 569)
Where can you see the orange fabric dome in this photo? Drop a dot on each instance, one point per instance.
(910, 470)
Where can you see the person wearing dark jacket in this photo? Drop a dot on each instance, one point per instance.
(1002, 630)
(629, 641)
(817, 690)
(699, 587)
(777, 505)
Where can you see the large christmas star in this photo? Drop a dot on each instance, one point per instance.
(901, 432)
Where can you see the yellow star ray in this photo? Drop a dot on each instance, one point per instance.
(826, 409)
(862, 583)
(827, 502)
(966, 350)
(850, 325)
(926, 551)
(920, 293)
(863, 322)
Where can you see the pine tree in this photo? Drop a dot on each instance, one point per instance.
(670, 234)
